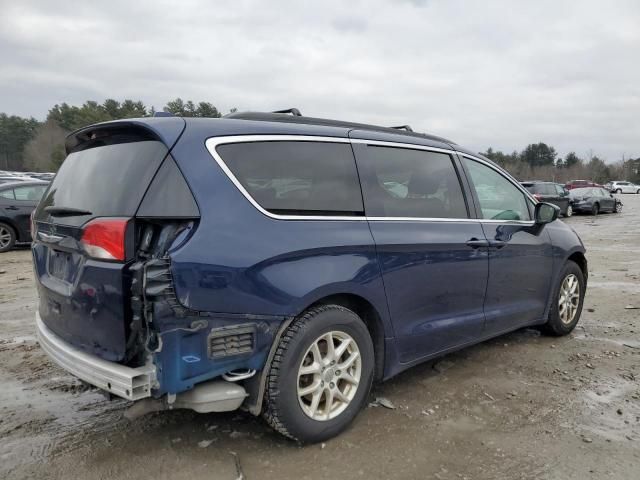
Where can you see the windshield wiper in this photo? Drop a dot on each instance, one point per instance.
(66, 211)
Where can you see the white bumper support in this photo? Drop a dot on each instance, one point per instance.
(125, 382)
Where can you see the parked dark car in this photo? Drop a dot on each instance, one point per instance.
(13, 178)
(594, 200)
(17, 201)
(283, 263)
(551, 193)
(571, 184)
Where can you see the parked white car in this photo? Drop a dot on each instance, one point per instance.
(623, 187)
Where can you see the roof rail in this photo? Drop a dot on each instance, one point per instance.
(293, 111)
(403, 127)
(163, 114)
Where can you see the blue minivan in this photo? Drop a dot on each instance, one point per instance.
(282, 264)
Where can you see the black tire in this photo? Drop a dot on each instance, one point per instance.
(638, 192)
(7, 237)
(619, 190)
(617, 208)
(283, 411)
(555, 326)
(595, 209)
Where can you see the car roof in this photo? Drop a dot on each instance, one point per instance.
(170, 128)
(4, 186)
(302, 120)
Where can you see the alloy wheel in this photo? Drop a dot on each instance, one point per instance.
(569, 211)
(569, 299)
(5, 237)
(329, 375)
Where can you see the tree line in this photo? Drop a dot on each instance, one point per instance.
(27, 144)
(539, 161)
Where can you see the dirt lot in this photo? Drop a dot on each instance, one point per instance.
(520, 406)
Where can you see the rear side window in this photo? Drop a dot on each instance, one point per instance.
(401, 182)
(31, 193)
(548, 189)
(297, 178)
(107, 180)
(7, 194)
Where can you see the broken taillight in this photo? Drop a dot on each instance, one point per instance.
(104, 238)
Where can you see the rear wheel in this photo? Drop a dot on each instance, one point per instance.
(618, 208)
(566, 306)
(619, 190)
(595, 209)
(638, 192)
(7, 237)
(320, 375)
(569, 211)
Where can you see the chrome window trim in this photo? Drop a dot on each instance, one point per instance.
(383, 143)
(213, 142)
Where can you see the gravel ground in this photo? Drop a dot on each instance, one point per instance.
(519, 406)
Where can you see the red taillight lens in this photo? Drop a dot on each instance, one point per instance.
(104, 238)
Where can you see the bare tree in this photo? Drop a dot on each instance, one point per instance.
(45, 151)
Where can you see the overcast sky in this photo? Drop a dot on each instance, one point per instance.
(483, 73)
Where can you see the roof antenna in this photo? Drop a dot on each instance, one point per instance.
(293, 111)
(403, 127)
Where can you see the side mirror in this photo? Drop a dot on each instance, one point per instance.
(546, 213)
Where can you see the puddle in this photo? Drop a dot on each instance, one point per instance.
(629, 343)
(626, 286)
(41, 419)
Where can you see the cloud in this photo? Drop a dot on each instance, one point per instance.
(485, 74)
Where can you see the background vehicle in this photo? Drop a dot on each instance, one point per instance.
(14, 178)
(571, 184)
(284, 263)
(623, 187)
(17, 201)
(551, 193)
(594, 200)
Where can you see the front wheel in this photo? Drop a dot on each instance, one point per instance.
(569, 211)
(320, 376)
(638, 192)
(595, 209)
(618, 208)
(566, 306)
(619, 190)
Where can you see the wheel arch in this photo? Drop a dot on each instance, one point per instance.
(371, 318)
(579, 258)
(361, 306)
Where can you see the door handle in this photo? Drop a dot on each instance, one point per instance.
(497, 243)
(476, 243)
(11, 208)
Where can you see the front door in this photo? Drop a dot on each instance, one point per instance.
(433, 257)
(608, 201)
(520, 259)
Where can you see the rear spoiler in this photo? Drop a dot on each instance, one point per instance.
(165, 129)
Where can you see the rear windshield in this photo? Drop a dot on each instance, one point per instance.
(107, 180)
